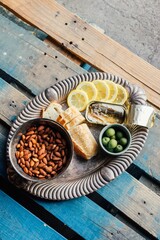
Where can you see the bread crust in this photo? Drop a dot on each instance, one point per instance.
(67, 115)
(52, 111)
(84, 142)
(75, 121)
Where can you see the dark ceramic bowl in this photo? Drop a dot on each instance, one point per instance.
(117, 127)
(23, 129)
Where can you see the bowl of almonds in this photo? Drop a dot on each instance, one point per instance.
(41, 149)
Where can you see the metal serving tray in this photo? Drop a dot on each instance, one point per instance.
(82, 177)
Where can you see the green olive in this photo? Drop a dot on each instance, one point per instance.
(110, 132)
(105, 141)
(123, 141)
(119, 135)
(113, 137)
(110, 149)
(118, 148)
(112, 143)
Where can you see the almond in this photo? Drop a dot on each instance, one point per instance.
(17, 154)
(35, 159)
(30, 133)
(42, 156)
(40, 128)
(41, 151)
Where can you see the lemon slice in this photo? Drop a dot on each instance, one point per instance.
(89, 88)
(121, 95)
(102, 90)
(78, 99)
(113, 90)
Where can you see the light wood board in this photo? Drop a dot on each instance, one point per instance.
(88, 44)
(136, 201)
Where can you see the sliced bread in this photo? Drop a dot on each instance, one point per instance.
(84, 142)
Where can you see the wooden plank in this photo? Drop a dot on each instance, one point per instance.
(136, 201)
(11, 89)
(89, 220)
(3, 140)
(118, 229)
(18, 223)
(61, 49)
(81, 212)
(88, 44)
(154, 186)
(34, 64)
(25, 77)
(147, 160)
(38, 33)
(12, 101)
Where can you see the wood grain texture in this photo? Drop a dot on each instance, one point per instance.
(89, 220)
(136, 201)
(149, 158)
(77, 213)
(3, 163)
(33, 63)
(62, 50)
(10, 89)
(34, 31)
(12, 101)
(88, 44)
(18, 223)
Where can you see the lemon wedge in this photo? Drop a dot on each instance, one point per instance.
(78, 99)
(122, 95)
(102, 90)
(89, 88)
(113, 91)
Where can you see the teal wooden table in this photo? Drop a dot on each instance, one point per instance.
(34, 57)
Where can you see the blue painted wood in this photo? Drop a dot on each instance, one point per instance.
(19, 224)
(82, 215)
(38, 33)
(89, 220)
(86, 66)
(16, 67)
(33, 64)
(29, 72)
(12, 103)
(149, 158)
(3, 141)
(136, 201)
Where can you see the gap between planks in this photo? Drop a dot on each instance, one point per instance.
(117, 191)
(88, 44)
(136, 201)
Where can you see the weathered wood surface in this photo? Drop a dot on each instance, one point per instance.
(119, 228)
(89, 220)
(119, 190)
(33, 76)
(3, 163)
(12, 101)
(32, 63)
(63, 50)
(18, 223)
(82, 215)
(88, 43)
(149, 158)
(136, 201)
(34, 31)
